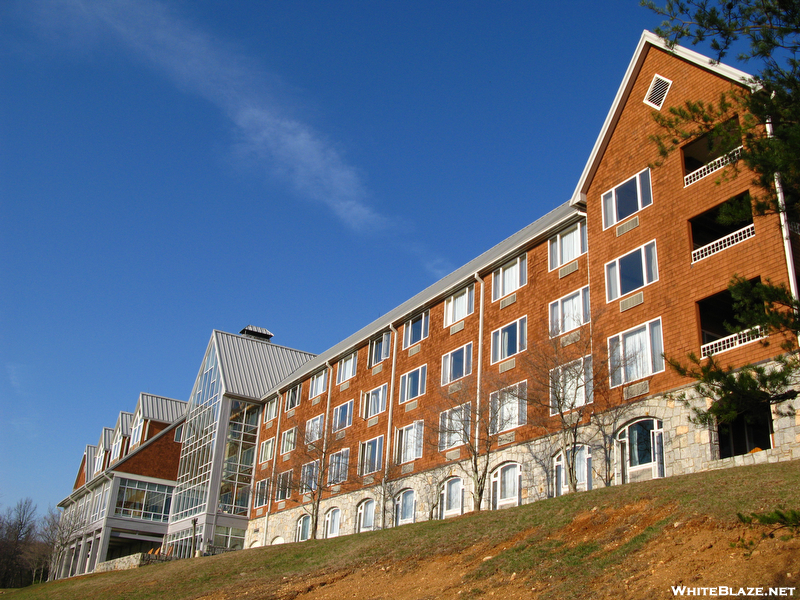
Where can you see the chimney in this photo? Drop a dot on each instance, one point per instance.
(258, 333)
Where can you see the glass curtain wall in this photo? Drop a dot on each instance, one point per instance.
(240, 448)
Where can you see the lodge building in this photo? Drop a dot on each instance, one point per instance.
(539, 364)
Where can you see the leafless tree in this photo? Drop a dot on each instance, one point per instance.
(17, 534)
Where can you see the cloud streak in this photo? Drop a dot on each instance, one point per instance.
(193, 60)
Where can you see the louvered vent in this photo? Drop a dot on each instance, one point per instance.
(657, 92)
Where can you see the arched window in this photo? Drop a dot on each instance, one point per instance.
(583, 470)
(332, 519)
(506, 486)
(303, 528)
(404, 507)
(640, 450)
(278, 540)
(451, 498)
(366, 516)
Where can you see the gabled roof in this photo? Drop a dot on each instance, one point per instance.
(90, 453)
(106, 438)
(158, 408)
(539, 230)
(647, 41)
(250, 367)
(124, 423)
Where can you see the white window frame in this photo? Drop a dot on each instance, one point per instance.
(503, 285)
(497, 489)
(137, 427)
(448, 376)
(116, 445)
(565, 394)
(338, 466)
(583, 470)
(655, 441)
(336, 424)
(446, 495)
(408, 442)
(293, 397)
(366, 509)
(261, 493)
(318, 384)
(652, 363)
(333, 519)
(346, 368)
(283, 486)
(267, 450)
(452, 306)
(402, 502)
(557, 257)
(521, 344)
(648, 263)
(288, 440)
(454, 426)
(270, 410)
(309, 475)
(406, 391)
(501, 407)
(370, 463)
(560, 323)
(644, 198)
(303, 528)
(314, 429)
(366, 402)
(409, 339)
(380, 349)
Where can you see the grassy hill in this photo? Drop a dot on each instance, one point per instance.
(633, 541)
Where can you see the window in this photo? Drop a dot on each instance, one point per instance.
(412, 384)
(409, 442)
(332, 519)
(451, 498)
(337, 468)
(404, 507)
(293, 397)
(571, 386)
(508, 408)
(627, 198)
(370, 456)
(459, 305)
(375, 402)
(271, 409)
(309, 475)
(506, 486)
(415, 330)
(267, 450)
(261, 493)
(366, 516)
(116, 445)
(636, 353)
(641, 446)
(570, 312)
(318, 384)
(510, 277)
(99, 459)
(346, 369)
(177, 438)
(567, 245)
(283, 487)
(342, 416)
(288, 440)
(631, 271)
(509, 340)
(582, 455)
(303, 528)
(314, 429)
(457, 364)
(136, 430)
(454, 426)
(380, 349)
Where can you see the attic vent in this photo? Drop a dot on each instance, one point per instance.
(258, 333)
(657, 92)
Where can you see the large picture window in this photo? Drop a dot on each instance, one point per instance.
(636, 353)
(626, 199)
(631, 271)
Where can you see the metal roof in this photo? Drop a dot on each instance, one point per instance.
(90, 453)
(250, 367)
(158, 408)
(124, 423)
(106, 438)
(537, 231)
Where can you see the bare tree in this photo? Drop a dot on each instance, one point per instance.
(57, 530)
(17, 534)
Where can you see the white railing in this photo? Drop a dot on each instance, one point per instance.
(714, 165)
(724, 242)
(732, 341)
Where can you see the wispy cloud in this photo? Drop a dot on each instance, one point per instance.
(198, 63)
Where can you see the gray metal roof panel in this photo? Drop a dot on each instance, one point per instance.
(537, 231)
(158, 408)
(124, 423)
(106, 438)
(251, 367)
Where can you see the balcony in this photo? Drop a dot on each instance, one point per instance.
(722, 226)
(732, 341)
(723, 243)
(710, 167)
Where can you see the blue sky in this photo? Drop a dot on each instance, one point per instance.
(172, 167)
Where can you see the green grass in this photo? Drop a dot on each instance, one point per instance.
(525, 541)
